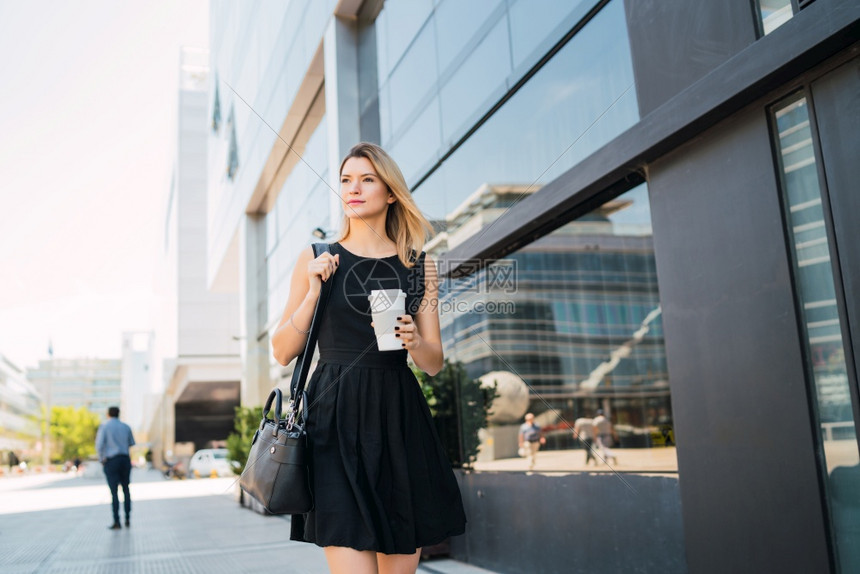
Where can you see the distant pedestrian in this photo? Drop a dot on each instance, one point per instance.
(605, 436)
(13, 461)
(113, 440)
(531, 438)
(583, 429)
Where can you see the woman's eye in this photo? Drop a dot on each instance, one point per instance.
(368, 179)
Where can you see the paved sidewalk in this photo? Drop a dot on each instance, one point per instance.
(58, 524)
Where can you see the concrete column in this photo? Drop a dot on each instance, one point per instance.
(163, 431)
(253, 308)
(340, 48)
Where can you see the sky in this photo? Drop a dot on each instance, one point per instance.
(88, 98)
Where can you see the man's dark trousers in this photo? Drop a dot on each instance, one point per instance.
(589, 450)
(118, 471)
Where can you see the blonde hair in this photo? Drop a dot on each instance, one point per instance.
(404, 222)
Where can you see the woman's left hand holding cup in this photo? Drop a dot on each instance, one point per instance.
(407, 332)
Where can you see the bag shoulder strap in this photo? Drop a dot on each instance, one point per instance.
(303, 361)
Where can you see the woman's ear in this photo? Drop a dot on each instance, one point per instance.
(391, 198)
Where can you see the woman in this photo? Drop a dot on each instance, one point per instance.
(383, 486)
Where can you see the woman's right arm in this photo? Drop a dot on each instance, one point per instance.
(305, 285)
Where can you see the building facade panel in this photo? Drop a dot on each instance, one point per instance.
(676, 44)
(733, 345)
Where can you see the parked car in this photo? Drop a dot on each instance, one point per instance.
(208, 459)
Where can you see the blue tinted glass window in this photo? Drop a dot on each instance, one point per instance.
(774, 13)
(396, 27)
(457, 23)
(578, 101)
(384, 116)
(414, 149)
(412, 80)
(538, 24)
(480, 77)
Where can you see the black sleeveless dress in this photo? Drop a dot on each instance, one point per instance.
(381, 478)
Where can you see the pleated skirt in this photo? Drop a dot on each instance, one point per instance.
(380, 476)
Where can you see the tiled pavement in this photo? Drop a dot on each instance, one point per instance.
(58, 524)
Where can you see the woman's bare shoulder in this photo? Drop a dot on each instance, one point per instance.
(307, 253)
(305, 256)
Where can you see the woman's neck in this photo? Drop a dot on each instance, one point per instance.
(368, 239)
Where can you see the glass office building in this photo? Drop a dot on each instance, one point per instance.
(94, 384)
(20, 415)
(642, 208)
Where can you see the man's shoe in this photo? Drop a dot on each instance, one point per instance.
(127, 523)
(115, 526)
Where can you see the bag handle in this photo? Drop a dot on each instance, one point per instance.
(303, 361)
(277, 397)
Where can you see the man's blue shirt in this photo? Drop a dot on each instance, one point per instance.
(113, 438)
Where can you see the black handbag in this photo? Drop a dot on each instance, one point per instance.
(277, 473)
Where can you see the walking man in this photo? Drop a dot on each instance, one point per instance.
(113, 440)
(531, 438)
(13, 461)
(583, 429)
(605, 434)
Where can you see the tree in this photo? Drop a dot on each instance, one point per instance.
(74, 432)
(459, 406)
(246, 421)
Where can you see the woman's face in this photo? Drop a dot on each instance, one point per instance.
(362, 191)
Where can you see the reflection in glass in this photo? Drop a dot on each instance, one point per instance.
(422, 135)
(537, 24)
(774, 13)
(480, 75)
(467, 55)
(397, 25)
(413, 79)
(577, 102)
(816, 296)
(575, 316)
(456, 24)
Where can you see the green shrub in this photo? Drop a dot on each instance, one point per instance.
(246, 421)
(74, 432)
(459, 406)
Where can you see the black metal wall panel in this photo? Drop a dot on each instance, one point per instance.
(674, 43)
(595, 523)
(749, 485)
(836, 97)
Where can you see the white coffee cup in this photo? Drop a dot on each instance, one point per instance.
(386, 305)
